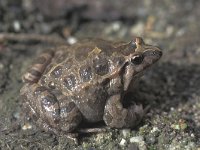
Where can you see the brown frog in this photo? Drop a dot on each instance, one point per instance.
(86, 82)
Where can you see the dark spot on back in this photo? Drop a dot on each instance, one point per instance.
(48, 101)
(85, 73)
(101, 66)
(70, 81)
(56, 73)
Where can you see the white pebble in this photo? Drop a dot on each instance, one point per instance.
(126, 132)
(26, 126)
(123, 142)
(71, 40)
(140, 142)
(16, 25)
(154, 129)
(116, 26)
(136, 139)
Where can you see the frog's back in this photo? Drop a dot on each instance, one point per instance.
(84, 64)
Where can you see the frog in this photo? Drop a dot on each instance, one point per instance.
(86, 82)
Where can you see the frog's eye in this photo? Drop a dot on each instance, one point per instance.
(136, 60)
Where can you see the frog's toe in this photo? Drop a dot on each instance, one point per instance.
(134, 115)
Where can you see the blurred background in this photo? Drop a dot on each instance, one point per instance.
(171, 88)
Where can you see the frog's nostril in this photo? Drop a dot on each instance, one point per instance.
(157, 53)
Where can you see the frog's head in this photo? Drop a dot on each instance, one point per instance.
(141, 56)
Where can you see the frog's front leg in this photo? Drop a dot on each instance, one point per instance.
(118, 117)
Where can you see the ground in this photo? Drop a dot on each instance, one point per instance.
(171, 88)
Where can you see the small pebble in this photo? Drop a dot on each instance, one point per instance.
(192, 135)
(16, 26)
(116, 26)
(1, 66)
(123, 142)
(126, 132)
(155, 129)
(71, 40)
(26, 126)
(139, 140)
(150, 139)
(136, 139)
(16, 115)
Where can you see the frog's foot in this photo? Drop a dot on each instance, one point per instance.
(118, 117)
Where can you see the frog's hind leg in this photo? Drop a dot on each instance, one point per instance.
(47, 128)
(70, 116)
(118, 117)
(39, 102)
(52, 110)
(36, 70)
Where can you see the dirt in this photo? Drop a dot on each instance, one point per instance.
(171, 88)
